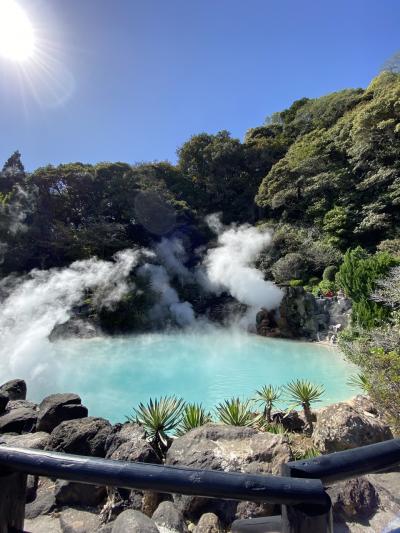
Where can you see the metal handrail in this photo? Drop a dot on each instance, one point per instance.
(169, 479)
(347, 464)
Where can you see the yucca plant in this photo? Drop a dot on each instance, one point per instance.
(276, 428)
(236, 412)
(267, 396)
(308, 453)
(359, 381)
(193, 416)
(159, 417)
(303, 393)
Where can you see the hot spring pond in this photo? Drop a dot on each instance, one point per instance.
(114, 374)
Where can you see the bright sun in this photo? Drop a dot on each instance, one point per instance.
(17, 40)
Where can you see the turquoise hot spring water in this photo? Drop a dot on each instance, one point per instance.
(114, 374)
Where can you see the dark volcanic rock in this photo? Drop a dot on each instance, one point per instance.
(43, 504)
(85, 436)
(127, 442)
(3, 402)
(341, 427)
(20, 420)
(355, 500)
(167, 516)
(71, 493)
(34, 441)
(15, 389)
(290, 421)
(227, 448)
(57, 408)
(134, 522)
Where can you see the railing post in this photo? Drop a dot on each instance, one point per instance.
(306, 518)
(12, 501)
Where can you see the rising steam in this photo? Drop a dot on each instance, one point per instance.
(32, 308)
(230, 265)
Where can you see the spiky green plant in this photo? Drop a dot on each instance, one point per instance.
(236, 412)
(308, 453)
(359, 381)
(267, 396)
(193, 416)
(159, 417)
(303, 393)
(276, 428)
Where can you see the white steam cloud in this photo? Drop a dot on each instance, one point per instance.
(230, 265)
(46, 298)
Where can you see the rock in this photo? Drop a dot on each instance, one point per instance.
(169, 519)
(16, 404)
(208, 523)
(340, 427)
(43, 524)
(363, 404)
(134, 522)
(20, 420)
(4, 399)
(15, 389)
(227, 448)
(71, 493)
(79, 521)
(43, 504)
(57, 408)
(127, 442)
(291, 421)
(31, 488)
(107, 528)
(354, 500)
(84, 436)
(75, 328)
(33, 441)
(246, 510)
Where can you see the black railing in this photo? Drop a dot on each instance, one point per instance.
(306, 507)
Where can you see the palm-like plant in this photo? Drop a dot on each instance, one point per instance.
(158, 418)
(359, 381)
(236, 412)
(268, 395)
(303, 393)
(193, 416)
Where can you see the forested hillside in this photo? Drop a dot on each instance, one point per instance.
(325, 174)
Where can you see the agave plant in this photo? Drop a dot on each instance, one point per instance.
(359, 381)
(236, 412)
(268, 395)
(303, 393)
(159, 417)
(193, 416)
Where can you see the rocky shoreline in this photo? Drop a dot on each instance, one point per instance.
(61, 423)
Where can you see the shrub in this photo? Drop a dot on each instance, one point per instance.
(194, 415)
(296, 283)
(329, 273)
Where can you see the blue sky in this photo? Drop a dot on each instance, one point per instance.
(131, 80)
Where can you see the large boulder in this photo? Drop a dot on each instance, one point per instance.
(230, 449)
(4, 399)
(354, 500)
(127, 442)
(169, 519)
(19, 420)
(57, 408)
(33, 441)
(341, 426)
(71, 493)
(131, 521)
(15, 389)
(85, 436)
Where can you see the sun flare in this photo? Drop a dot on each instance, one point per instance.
(17, 40)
